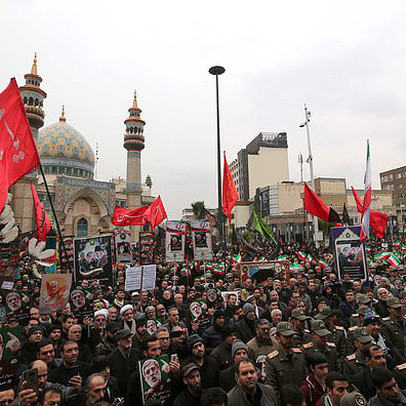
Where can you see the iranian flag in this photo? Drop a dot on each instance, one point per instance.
(218, 269)
(309, 258)
(293, 267)
(366, 207)
(302, 255)
(393, 261)
(282, 257)
(237, 259)
(322, 263)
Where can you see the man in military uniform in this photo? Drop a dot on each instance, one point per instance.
(338, 335)
(320, 344)
(394, 326)
(298, 320)
(354, 363)
(287, 364)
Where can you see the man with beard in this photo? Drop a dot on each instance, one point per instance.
(262, 343)
(212, 335)
(127, 318)
(209, 369)
(108, 343)
(298, 320)
(193, 386)
(387, 390)
(246, 326)
(141, 330)
(30, 347)
(337, 332)
(46, 353)
(248, 391)
(222, 354)
(94, 389)
(337, 387)
(124, 359)
(231, 303)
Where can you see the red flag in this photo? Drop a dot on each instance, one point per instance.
(41, 216)
(156, 213)
(378, 220)
(18, 153)
(230, 194)
(124, 217)
(315, 206)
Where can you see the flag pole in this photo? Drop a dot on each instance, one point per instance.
(55, 218)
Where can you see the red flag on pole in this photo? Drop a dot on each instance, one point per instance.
(124, 217)
(378, 219)
(18, 153)
(315, 206)
(156, 213)
(230, 194)
(41, 216)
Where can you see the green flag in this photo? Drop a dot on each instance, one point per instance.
(259, 225)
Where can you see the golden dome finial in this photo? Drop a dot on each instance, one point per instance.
(135, 105)
(34, 65)
(62, 118)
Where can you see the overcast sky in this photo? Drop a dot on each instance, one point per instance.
(345, 59)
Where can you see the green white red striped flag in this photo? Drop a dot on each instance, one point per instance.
(237, 259)
(322, 263)
(282, 257)
(302, 255)
(366, 207)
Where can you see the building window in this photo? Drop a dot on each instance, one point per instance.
(82, 228)
(398, 176)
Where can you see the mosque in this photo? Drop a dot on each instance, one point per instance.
(83, 205)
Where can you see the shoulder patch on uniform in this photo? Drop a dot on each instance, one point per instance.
(296, 350)
(350, 357)
(331, 344)
(340, 328)
(385, 318)
(308, 345)
(352, 328)
(273, 354)
(401, 367)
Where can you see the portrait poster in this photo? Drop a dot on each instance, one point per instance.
(201, 237)
(198, 313)
(55, 292)
(93, 259)
(225, 296)
(175, 240)
(349, 252)
(147, 244)
(155, 379)
(10, 344)
(81, 301)
(152, 326)
(66, 261)
(122, 241)
(17, 305)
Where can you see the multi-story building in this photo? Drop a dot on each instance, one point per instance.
(264, 161)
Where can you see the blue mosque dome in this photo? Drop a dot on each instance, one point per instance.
(64, 151)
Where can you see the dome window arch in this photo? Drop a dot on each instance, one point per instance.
(82, 228)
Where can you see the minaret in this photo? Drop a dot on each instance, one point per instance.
(33, 97)
(134, 144)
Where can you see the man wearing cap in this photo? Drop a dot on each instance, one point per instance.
(337, 335)
(212, 335)
(209, 369)
(353, 399)
(262, 343)
(245, 327)
(287, 364)
(227, 377)
(108, 343)
(394, 326)
(320, 344)
(373, 325)
(222, 353)
(190, 396)
(298, 320)
(124, 360)
(354, 363)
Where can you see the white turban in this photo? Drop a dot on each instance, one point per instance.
(102, 312)
(125, 308)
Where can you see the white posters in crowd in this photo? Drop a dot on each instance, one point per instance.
(55, 290)
(140, 278)
(225, 296)
(201, 237)
(123, 247)
(175, 240)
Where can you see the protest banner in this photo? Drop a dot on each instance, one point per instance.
(10, 344)
(201, 237)
(93, 259)
(261, 270)
(147, 244)
(140, 278)
(349, 252)
(55, 290)
(175, 240)
(155, 379)
(122, 241)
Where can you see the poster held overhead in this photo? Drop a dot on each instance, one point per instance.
(201, 237)
(175, 240)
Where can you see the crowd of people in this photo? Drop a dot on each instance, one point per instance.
(300, 336)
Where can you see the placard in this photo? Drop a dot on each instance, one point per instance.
(133, 278)
(201, 237)
(55, 290)
(123, 247)
(175, 240)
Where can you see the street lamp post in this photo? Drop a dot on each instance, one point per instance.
(217, 71)
(309, 160)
